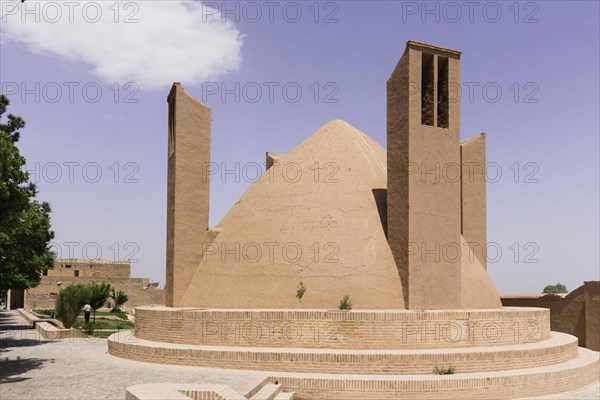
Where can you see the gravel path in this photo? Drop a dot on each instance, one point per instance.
(81, 369)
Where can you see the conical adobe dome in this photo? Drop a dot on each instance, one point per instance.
(316, 217)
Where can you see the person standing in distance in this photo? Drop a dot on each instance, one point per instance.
(86, 311)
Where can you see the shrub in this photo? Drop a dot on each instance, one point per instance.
(444, 370)
(69, 303)
(553, 289)
(345, 304)
(88, 328)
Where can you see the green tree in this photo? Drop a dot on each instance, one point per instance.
(69, 303)
(558, 288)
(99, 293)
(24, 222)
(119, 298)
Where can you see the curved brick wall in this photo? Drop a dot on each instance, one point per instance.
(559, 349)
(515, 383)
(360, 329)
(519, 383)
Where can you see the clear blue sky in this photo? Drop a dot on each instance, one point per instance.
(543, 56)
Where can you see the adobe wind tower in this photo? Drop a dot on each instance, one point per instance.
(187, 189)
(431, 201)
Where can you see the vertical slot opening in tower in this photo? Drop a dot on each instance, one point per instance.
(427, 89)
(442, 90)
(171, 127)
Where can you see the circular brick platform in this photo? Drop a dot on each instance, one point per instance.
(360, 354)
(334, 329)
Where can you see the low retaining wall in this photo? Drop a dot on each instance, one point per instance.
(51, 332)
(28, 317)
(48, 327)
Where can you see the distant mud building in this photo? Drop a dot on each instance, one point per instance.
(72, 271)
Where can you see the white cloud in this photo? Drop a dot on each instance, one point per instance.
(172, 40)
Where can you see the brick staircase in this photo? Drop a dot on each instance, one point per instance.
(265, 390)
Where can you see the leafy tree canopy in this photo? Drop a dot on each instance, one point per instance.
(119, 298)
(558, 288)
(99, 293)
(24, 222)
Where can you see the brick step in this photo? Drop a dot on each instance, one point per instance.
(186, 391)
(285, 396)
(529, 383)
(559, 348)
(181, 391)
(259, 391)
(570, 375)
(267, 392)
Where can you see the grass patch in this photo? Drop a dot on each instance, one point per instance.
(46, 313)
(119, 314)
(103, 334)
(103, 323)
(108, 326)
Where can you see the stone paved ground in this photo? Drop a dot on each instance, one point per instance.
(34, 368)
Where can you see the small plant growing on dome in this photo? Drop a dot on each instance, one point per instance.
(345, 304)
(444, 370)
(300, 289)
